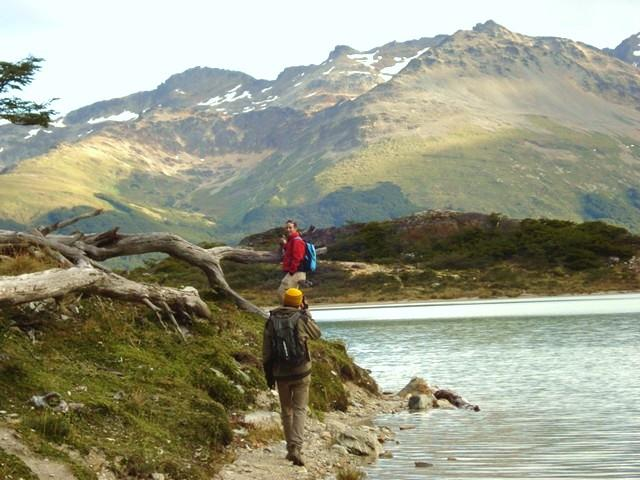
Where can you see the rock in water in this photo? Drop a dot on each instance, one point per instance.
(423, 401)
(445, 404)
(416, 386)
(455, 399)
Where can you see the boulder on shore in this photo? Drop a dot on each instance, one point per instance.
(359, 441)
(262, 418)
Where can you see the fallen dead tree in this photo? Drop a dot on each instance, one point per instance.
(80, 271)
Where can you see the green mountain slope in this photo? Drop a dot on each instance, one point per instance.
(485, 119)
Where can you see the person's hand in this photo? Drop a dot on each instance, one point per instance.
(271, 382)
(283, 240)
(268, 374)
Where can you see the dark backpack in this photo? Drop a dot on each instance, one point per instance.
(285, 344)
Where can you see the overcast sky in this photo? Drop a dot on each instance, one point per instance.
(95, 50)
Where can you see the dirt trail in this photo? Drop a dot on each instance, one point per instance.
(321, 456)
(44, 468)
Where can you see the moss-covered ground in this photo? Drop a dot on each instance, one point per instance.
(150, 402)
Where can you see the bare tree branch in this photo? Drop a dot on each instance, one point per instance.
(65, 223)
(86, 251)
(15, 290)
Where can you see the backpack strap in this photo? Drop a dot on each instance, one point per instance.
(297, 315)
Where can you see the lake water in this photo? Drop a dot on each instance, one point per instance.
(559, 395)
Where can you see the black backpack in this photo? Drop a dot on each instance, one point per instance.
(285, 344)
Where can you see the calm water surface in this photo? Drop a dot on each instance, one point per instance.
(559, 395)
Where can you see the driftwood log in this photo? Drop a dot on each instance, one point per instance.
(79, 256)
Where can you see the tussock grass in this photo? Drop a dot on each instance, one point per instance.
(350, 473)
(23, 262)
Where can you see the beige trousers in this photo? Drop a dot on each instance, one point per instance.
(290, 281)
(294, 397)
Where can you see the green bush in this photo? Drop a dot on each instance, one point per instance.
(534, 243)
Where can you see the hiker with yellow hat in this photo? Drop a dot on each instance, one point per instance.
(287, 364)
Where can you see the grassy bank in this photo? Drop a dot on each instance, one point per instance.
(147, 401)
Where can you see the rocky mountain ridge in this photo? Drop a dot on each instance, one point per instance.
(482, 119)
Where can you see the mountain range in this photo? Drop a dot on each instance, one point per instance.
(481, 120)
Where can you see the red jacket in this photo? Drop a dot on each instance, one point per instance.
(294, 251)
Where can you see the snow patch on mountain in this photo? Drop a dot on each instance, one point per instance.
(120, 117)
(366, 59)
(387, 72)
(266, 89)
(228, 97)
(329, 71)
(31, 133)
(59, 123)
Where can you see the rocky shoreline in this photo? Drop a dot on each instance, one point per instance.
(340, 441)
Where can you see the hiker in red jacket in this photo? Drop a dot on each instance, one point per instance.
(294, 250)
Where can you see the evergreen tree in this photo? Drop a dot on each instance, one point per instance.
(14, 76)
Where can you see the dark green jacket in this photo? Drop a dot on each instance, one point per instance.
(307, 329)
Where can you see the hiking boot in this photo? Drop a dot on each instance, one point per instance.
(289, 453)
(296, 457)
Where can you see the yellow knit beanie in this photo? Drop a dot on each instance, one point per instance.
(292, 297)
